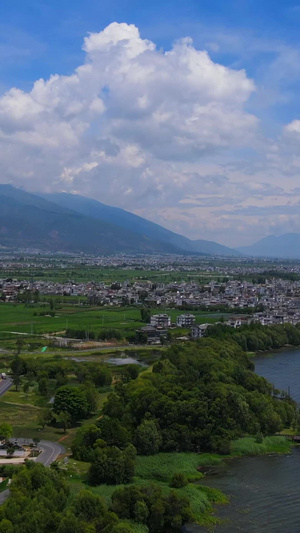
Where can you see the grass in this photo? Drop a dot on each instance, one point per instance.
(18, 408)
(3, 485)
(20, 319)
(160, 469)
(249, 446)
(162, 466)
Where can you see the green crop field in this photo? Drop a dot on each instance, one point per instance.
(109, 274)
(17, 318)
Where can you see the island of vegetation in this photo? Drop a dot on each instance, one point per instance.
(135, 462)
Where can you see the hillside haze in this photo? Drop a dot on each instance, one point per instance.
(72, 223)
(132, 222)
(286, 246)
(29, 221)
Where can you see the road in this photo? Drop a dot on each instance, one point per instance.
(50, 451)
(5, 384)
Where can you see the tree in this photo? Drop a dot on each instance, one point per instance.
(112, 466)
(6, 526)
(88, 506)
(43, 386)
(10, 449)
(64, 419)
(91, 395)
(6, 430)
(17, 381)
(19, 345)
(84, 441)
(71, 400)
(145, 315)
(113, 432)
(147, 438)
(45, 417)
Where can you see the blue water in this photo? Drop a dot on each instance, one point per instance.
(264, 491)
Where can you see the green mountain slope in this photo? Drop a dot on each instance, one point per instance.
(29, 221)
(125, 219)
(285, 246)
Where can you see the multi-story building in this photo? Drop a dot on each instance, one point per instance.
(185, 321)
(160, 321)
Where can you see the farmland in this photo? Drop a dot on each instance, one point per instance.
(17, 318)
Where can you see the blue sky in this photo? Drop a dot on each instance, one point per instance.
(258, 43)
(46, 36)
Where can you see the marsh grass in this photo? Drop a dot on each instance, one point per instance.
(249, 446)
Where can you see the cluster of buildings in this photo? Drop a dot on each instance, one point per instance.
(274, 301)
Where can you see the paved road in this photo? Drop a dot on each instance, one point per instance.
(50, 451)
(5, 384)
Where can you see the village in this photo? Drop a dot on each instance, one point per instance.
(276, 301)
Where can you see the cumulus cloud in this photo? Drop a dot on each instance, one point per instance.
(163, 133)
(129, 106)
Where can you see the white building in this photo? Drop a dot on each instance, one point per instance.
(160, 321)
(185, 321)
(199, 330)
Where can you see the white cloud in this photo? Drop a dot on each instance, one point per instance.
(145, 129)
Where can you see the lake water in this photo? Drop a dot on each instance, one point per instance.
(264, 491)
(124, 361)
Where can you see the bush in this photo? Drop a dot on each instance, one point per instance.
(178, 480)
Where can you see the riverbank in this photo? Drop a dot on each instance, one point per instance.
(271, 351)
(185, 473)
(263, 489)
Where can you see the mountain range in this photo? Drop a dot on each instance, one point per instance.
(73, 223)
(285, 246)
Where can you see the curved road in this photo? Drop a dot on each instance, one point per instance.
(5, 384)
(50, 450)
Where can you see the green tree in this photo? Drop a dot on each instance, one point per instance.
(71, 400)
(43, 386)
(145, 315)
(6, 430)
(6, 526)
(45, 417)
(148, 438)
(64, 419)
(112, 466)
(19, 345)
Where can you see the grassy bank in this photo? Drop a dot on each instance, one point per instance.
(250, 446)
(161, 468)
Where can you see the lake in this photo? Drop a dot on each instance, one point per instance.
(264, 491)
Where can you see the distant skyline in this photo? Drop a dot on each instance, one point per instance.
(184, 113)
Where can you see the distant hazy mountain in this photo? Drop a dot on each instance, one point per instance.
(213, 248)
(131, 222)
(29, 221)
(285, 246)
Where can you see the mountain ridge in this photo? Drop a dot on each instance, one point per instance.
(140, 225)
(73, 223)
(285, 246)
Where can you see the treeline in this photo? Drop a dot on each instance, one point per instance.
(198, 398)
(105, 334)
(255, 337)
(40, 502)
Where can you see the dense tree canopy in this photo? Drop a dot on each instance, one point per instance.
(72, 400)
(40, 503)
(199, 396)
